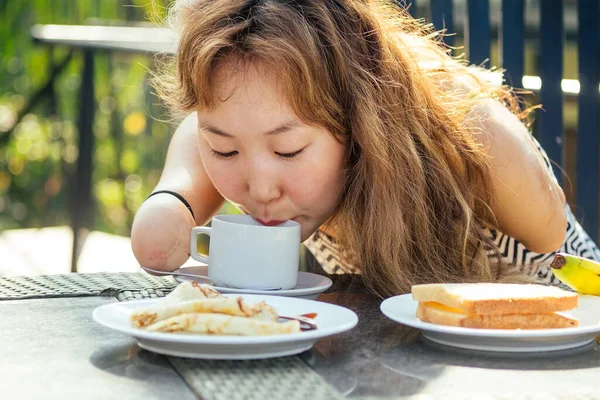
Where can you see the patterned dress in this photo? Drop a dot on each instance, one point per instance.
(514, 254)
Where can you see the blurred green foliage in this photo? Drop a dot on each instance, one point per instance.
(39, 151)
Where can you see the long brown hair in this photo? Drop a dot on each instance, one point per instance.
(417, 193)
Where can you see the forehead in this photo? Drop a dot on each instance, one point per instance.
(249, 93)
(246, 83)
(245, 100)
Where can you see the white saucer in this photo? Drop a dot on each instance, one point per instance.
(402, 309)
(331, 319)
(308, 285)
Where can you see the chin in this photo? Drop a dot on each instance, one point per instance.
(306, 233)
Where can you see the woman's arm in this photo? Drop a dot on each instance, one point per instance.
(528, 203)
(161, 227)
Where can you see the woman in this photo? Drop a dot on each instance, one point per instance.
(349, 117)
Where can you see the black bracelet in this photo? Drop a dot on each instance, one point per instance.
(180, 197)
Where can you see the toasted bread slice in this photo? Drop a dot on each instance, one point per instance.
(441, 316)
(497, 298)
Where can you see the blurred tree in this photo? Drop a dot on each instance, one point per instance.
(38, 114)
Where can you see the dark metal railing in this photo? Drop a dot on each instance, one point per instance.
(477, 32)
(551, 73)
(513, 40)
(588, 141)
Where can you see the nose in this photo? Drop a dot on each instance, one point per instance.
(263, 182)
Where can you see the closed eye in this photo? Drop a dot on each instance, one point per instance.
(223, 155)
(289, 156)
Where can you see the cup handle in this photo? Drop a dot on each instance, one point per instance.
(194, 243)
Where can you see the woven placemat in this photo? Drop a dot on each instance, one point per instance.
(286, 378)
(128, 295)
(125, 285)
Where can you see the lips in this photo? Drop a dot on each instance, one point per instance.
(272, 222)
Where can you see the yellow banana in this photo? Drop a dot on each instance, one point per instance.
(580, 274)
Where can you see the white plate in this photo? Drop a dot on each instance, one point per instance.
(331, 319)
(308, 285)
(402, 309)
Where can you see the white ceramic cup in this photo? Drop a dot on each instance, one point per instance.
(243, 253)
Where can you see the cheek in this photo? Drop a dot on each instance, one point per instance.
(225, 179)
(316, 185)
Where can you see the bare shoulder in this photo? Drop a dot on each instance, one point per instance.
(527, 197)
(498, 128)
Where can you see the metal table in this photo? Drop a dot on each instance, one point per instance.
(89, 40)
(52, 349)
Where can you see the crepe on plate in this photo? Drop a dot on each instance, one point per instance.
(194, 308)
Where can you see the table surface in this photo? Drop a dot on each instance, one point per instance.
(52, 349)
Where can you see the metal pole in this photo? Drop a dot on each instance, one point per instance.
(81, 189)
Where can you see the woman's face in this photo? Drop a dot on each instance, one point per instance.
(262, 158)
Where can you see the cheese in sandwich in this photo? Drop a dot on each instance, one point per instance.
(495, 305)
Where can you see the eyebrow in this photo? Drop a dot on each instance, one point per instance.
(280, 129)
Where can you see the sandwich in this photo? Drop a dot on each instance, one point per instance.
(495, 305)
